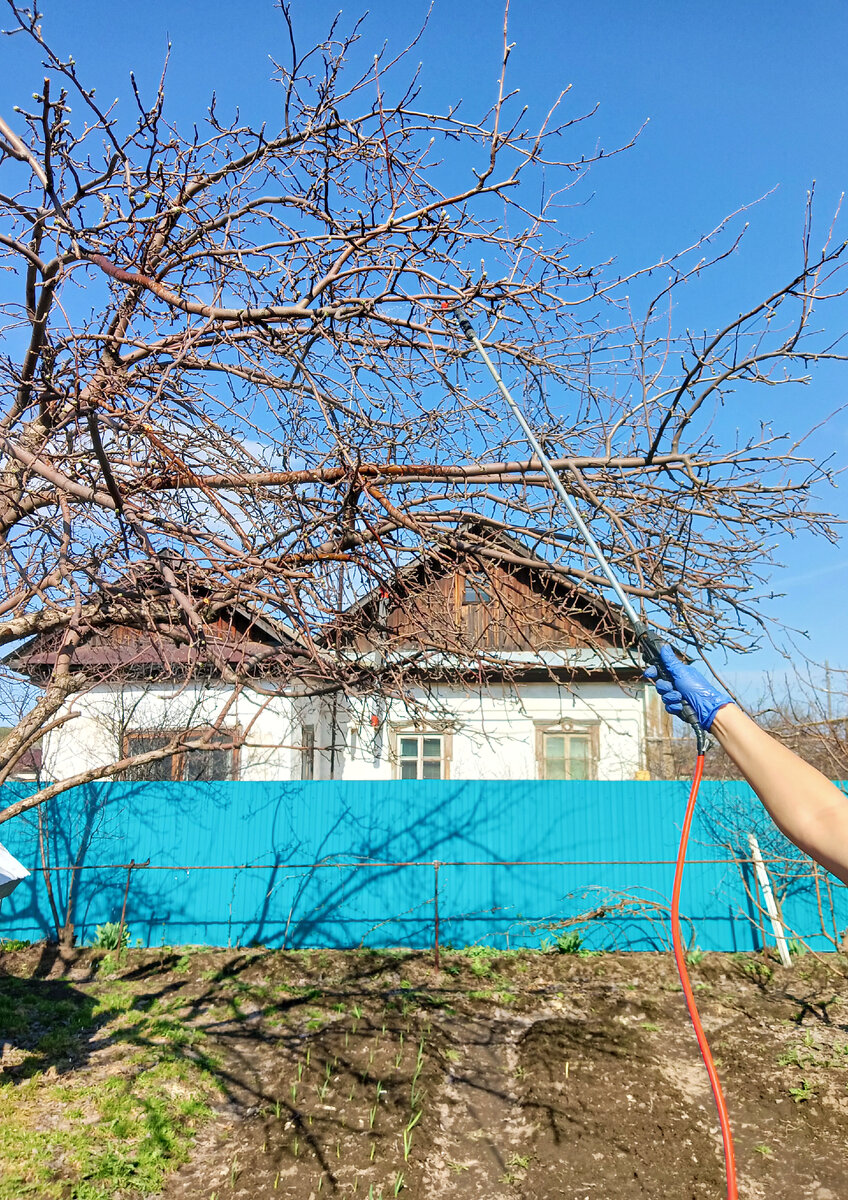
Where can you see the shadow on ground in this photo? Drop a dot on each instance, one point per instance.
(275, 1074)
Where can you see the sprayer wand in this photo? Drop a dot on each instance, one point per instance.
(651, 647)
(649, 644)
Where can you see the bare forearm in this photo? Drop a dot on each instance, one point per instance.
(810, 810)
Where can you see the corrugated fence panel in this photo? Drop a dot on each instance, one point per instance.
(332, 864)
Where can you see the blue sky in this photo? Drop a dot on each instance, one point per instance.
(743, 101)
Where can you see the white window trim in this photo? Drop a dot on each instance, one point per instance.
(407, 729)
(563, 728)
(312, 756)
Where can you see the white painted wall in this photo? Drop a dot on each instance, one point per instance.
(493, 732)
(92, 736)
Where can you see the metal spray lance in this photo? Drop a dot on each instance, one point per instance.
(651, 647)
(649, 644)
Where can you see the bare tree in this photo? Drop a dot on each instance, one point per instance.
(232, 363)
(807, 710)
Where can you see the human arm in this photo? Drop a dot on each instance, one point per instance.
(804, 805)
(802, 802)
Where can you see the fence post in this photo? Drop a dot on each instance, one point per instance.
(131, 866)
(768, 896)
(436, 957)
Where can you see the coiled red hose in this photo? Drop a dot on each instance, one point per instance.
(680, 959)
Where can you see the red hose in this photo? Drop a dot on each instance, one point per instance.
(680, 959)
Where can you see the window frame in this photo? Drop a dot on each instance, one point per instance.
(567, 729)
(310, 748)
(479, 585)
(397, 732)
(231, 736)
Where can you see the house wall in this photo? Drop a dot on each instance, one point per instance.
(493, 734)
(99, 718)
(505, 608)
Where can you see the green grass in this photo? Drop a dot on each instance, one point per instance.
(89, 1135)
(481, 959)
(135, 1132)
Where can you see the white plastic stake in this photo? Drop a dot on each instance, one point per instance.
(768, 896)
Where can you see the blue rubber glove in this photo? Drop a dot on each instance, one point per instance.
(689, 685)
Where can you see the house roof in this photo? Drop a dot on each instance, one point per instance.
(120, 647)
(239, 635)
(557, 626)
(28, 766)
(497, 544)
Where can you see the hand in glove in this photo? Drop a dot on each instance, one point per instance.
(685, 684)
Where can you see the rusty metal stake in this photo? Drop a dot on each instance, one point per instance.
(436, 959)
(131, 866)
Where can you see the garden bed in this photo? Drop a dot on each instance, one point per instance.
(198, 1073)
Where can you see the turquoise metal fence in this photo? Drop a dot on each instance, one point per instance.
(349, 864)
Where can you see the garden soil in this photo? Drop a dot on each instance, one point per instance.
(372, 1075)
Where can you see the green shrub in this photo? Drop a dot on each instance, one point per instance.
(111, 937)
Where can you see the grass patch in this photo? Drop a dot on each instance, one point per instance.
(102, 1127)
(135, 1132)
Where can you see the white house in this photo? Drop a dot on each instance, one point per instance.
(481, 668)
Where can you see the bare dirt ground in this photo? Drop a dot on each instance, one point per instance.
(311, 1074)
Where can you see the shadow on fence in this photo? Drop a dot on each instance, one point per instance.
(415, 864)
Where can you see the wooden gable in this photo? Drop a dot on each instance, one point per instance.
(485, 606)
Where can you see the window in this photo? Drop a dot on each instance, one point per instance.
(189, 766)
(568, 756)
(476, 588)
(421, 756)
(307, 752)
(207, 765)
(161, 768)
